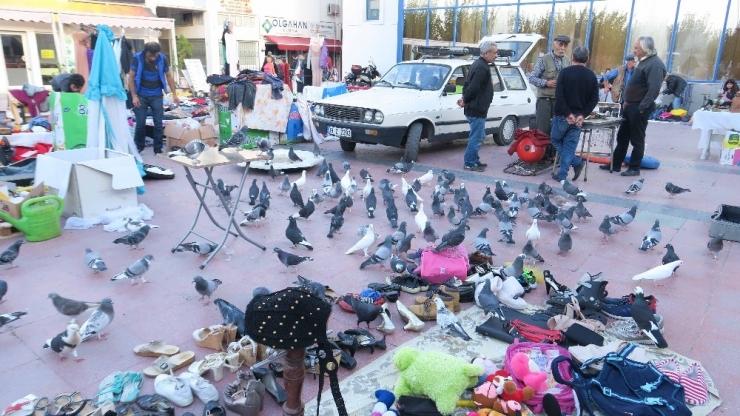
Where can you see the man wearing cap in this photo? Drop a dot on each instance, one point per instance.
(619, 77)
(545, 76)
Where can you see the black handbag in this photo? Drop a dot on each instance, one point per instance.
(416, 406)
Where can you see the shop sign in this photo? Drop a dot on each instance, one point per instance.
(47, 54)
(278, 26)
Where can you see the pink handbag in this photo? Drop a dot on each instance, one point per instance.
(437, 268)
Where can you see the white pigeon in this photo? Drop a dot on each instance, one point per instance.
(448, 321)
(300, 182)
(426, 178)
(421, 218)
(135, 224)
(533, 233)
(365, 242)
(661, 272)
(66, 341)
(404, 186)
(98, 320)
(366, 189)
(346, 181)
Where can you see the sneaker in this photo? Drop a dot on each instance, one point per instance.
(173, 389)
(483, 165)
(607, 166)
(201, 388)
(617, 308)
(631, 172)
(475, 168)
(555, 177)
(578, 169)
(627, 330)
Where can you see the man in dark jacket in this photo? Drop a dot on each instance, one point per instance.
(675, 86)
(576, 96)
(65, 82)
(639, 101)
(477, 97)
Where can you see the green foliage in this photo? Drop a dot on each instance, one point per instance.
(184, 50)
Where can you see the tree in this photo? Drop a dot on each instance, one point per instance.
(184, 50)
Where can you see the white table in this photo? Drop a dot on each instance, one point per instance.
(30, 139)
(713, 122)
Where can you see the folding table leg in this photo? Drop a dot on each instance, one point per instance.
(201, 205)
(588, 154)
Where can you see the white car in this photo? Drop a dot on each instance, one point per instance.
(417, 100)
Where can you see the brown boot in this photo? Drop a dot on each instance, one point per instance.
(427, 311)
(447, 299)
(455, 294)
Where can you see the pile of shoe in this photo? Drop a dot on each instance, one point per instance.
(245, 395)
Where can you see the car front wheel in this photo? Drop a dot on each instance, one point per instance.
(413, 139)
(347, 146)
(506, 131)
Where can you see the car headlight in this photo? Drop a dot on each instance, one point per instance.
(368, 116)
(319, 109)
(378, 118)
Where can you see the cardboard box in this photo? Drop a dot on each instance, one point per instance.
(14, 209)
(177, 136)
(89, 185)
(731, 140)
(728, 156)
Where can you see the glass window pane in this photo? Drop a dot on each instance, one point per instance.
(471, 2)
(469, 25)
(654, 18)
(414, 32)
(373, 10)
(15, 60)
(535, 19)
(501, 19)
(608, 35)
(441, 3)
(441, 25)
(512, 78)
(47, 57)
(497, 85)
(729, 65)
(571, 19)
(697, 38)
(412, 4)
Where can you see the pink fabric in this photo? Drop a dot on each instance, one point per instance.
(31, 102)
(440, 267)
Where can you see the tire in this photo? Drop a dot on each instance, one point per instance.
(347, 146)
(506, 131)
(412, 142)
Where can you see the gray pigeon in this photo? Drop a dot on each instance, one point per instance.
(365, 175)
(481, 243)
(11, 253)
(198, 247)
(191, 150)
(532, 252)
(136, 269)
(273, 173)
(564, 223)
(411, 200)
(284, 185)
(98, 320)
(296, 197)
(391, 212)
(254, 216)
(323, 169)
(370, 203)
(652, 237)
(289, 259)
(264, 145)
(401, 167)
(516, 268)
(7, 318)
(449, 176)
(635, 187)
(453, 218)
(206, 287)
(607, 228)
(237, 140)
(524, 196)
(565, 242)
(381, 255)
(335, 191)
(504, 227)
(437, 208)
(254, 192)
(294, 234)
(134, 239)
(345, 165)
(582, 211)
(316, 149)
(486, 299)
(545, 189)
(715, 245)
(571, 189)
(624, 218)
(66, 341)
(448, 321)
(399, 234)
(225, 191)
(308, 208)
(453, 238)
(675, 190)
(315, 288)
(264, 194)
(398, 265)
(71, 307)
(337, 221)
(94, 261)
(3, 289)
(430, 234)
(316, 197)
(293, 156)
(233, 315)
(404, 245)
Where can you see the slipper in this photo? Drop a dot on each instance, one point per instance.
(155, 349)
(165, 364)
(155, 403)
(131, 386)
(671, 368)
(64, 404)
(211, 337)
(110, 388)
(24, 406)
(695, 386)
(344, 302)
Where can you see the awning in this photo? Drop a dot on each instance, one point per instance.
(113, 21)
(287, 43)
(25, 16)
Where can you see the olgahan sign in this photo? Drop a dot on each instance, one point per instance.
(278, 26)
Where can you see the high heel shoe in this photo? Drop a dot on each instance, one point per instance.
(271, 385)
(366, 340)
(387, 325)
(347, 360)
(413, 323)
(248, 382)
(552, 284)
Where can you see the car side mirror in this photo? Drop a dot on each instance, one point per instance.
(449, 88)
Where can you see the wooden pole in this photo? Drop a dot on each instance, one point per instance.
(293, 374)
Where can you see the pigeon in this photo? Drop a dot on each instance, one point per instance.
(391, 212)
(507, 233)
(514, 207)
(404, 245)
(293, 156)
(569, 212)
(11, 253)
(345, 165)
(337, 209)
(232, 315)
(370, 203)
(635, 187)
(254, 192)
(661, 272)
(332, 174)
(565, 242)
(624, 218)
(66, 341)
(225, 191)
(437, 209)
(670, 255)
(316, 197)
(533, 233)
(337, 221)
(397, 265)
(134, 239)
(7, 318)
(254, 216)
(206, 287)
(323, 169)
(426, 178)
(93, 260)
(272, 173)
(524, 196)
(516, 268)
(98, 320)
(571, 189)
(236, 140)
(420, 217)
(499, 192)
(416, 185)
(264, 194)
(430, 234)
(306, 210)
(348, 202)
(346, 181)
(401, 167)
(366, 190)
(365, 242)
(316, 149)
(652, 237)
(380, 256)
(564, 223)
(448, 321)
(294, 234)
(675, 190)
(582, 211)
(399, 234)
(71, 307)
(362, 230)
(264, 145)
(411, 200)
(533, 211)
(202, 248)
(315, 288)
(289, 259)
(645, 319)
(607, 228)
(191, 150)
(452, 239)
(531, 252)
(387, 194)
(335, 191)
(485, 296)
(270, 156)
(296, 197)
(284, 185)
(481, 243)
(452, 218)
(366, 312)
(136, 269)
(449, 176)
(301, 181)
(3, 289)
(545, 189)
(715, 245)
(135, 224)
(364, 174)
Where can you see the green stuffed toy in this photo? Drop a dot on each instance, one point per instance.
(439, 376)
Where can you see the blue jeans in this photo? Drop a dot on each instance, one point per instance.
(477, 134)
(155, 103)
(564, 137)
(677, 101)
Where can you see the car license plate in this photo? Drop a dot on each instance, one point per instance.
(338, 131)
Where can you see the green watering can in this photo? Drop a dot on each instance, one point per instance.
(39, 218)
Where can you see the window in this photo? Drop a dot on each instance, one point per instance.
(137, 45)
(697, 39)
(470, 25)
(651, 18)
(47, 57)
(199, 50)
(372, 10)
(496, 78)
(414, 32)
(441, 25)
(512, 78)
(729, 64)
(534, 19)
(571, 19)
(248, 55)
(608, 35)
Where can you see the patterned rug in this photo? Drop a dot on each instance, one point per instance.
(359, 389)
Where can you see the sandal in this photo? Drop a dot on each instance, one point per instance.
(165, 364)
(211, 337)
(155, 403)
(64, 404)
(156, 349)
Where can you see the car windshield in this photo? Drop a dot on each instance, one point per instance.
(420, 75)
(518, 48)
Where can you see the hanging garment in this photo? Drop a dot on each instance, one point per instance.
(315, 52)
(325, 56)
(232, 53)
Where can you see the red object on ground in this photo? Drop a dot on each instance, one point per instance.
(537, 137)
(26, 152)
(530, 152)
